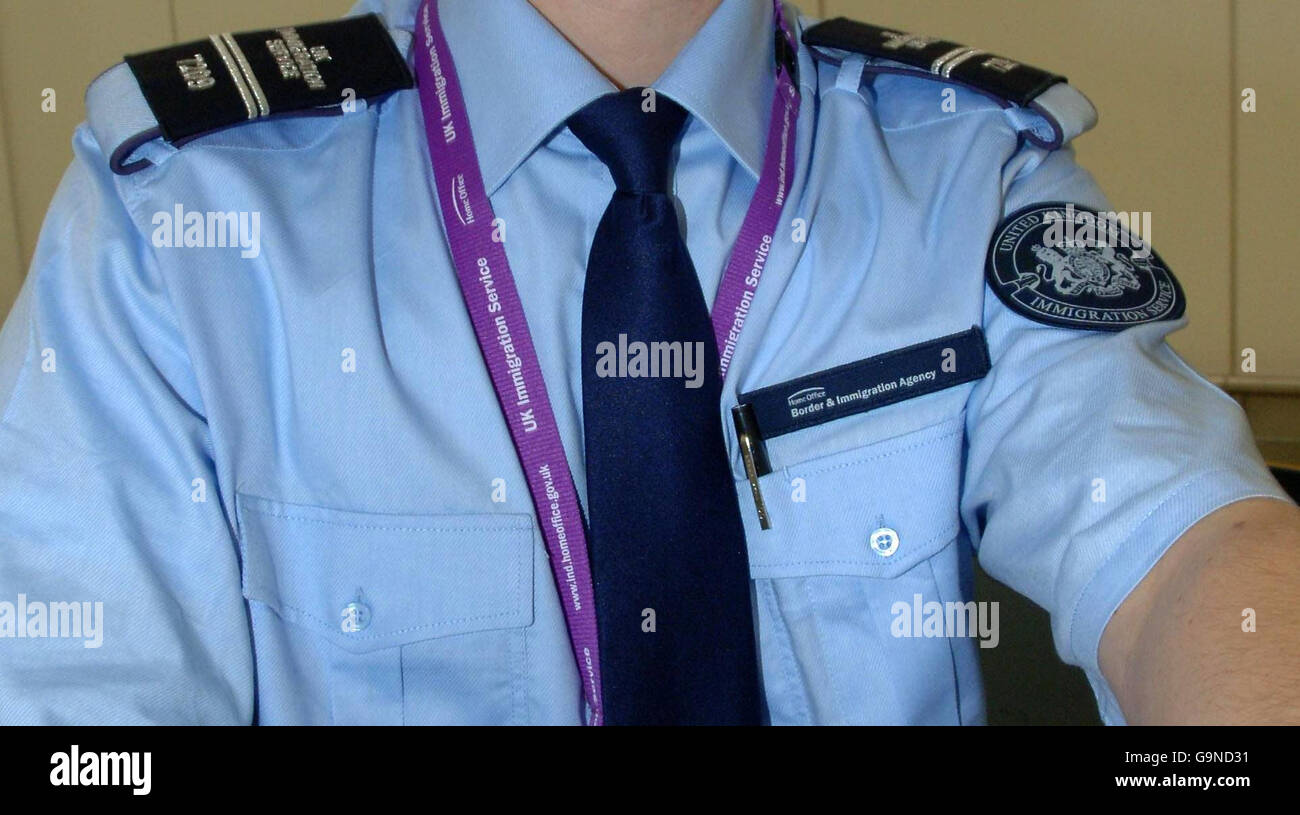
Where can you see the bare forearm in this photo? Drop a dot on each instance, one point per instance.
(1179, 649)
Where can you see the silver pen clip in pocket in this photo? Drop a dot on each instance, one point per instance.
(753, 452)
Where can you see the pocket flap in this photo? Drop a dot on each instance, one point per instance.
(826, 511)
(369, 581)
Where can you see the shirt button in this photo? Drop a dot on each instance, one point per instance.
(884, 541)
(354, 617)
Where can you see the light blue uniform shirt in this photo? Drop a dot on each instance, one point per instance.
(287, 479)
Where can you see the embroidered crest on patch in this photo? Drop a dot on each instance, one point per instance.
(1067, 265)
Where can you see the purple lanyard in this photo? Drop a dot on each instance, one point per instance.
(498, 314)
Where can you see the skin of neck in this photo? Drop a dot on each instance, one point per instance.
(631, 42)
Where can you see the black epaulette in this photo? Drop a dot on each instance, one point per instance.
(991, 74)
(200, 86)
(185, 91)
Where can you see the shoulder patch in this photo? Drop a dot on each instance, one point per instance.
(1066, 265)
(1053, 112)
(198, 87)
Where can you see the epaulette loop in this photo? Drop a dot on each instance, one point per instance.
(1043, 104)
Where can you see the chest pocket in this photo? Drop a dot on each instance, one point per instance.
(386, 619)
(853, 535)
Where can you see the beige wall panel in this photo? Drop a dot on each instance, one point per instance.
(1273, 418)
(59, 44)
(1272, 415)
(11, 271)
(1158, 72)
(199, 18)
(1268, 177)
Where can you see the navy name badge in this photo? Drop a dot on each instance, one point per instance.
(205, 85)
(874, 382)
(1066, 265)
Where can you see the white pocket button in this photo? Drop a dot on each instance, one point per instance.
(884, 541)
(354, 617)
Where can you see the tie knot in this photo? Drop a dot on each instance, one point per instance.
(632, 132)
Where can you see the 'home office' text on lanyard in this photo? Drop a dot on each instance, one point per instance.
(498, 315)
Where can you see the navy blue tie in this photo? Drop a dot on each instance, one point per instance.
(667, 543)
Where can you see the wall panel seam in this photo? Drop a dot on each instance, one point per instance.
(1234, 217)
(171, 20)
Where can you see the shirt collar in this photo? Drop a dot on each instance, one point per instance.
(522, 80)
(726, 77)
